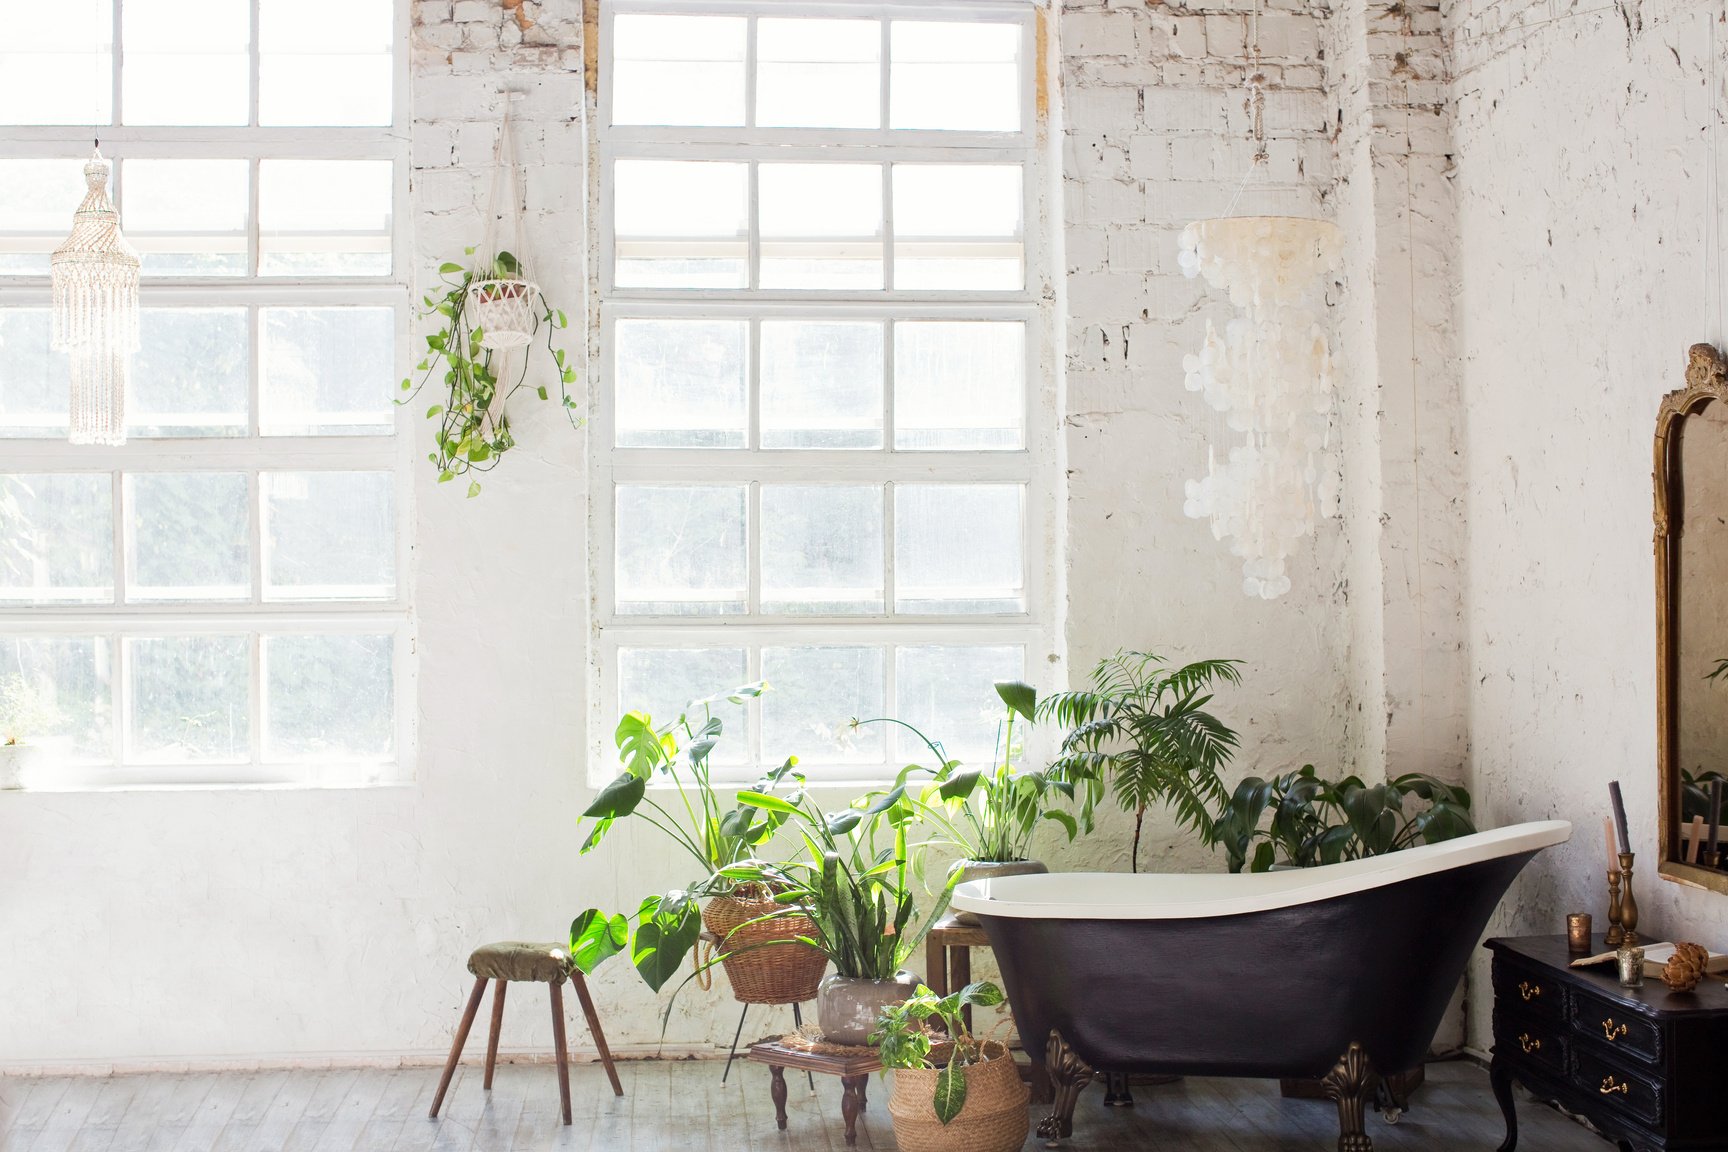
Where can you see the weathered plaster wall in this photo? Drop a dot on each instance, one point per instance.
(1585, 164)
(1156, 135)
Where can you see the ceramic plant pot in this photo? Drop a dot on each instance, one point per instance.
(989, 869)
(15, 759)
(993, 1119)
(847, 1006)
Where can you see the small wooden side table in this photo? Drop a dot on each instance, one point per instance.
(853, 1070)
(948, 968)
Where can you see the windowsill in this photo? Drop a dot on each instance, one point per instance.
(212, 786)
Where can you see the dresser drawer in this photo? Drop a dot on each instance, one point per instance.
(1529, 992)
(1634, 1094)
(1610, 1028)
(1529, 1039)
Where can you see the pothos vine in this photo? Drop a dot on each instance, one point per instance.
(473, 430)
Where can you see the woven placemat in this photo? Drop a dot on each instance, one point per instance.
(810, 1040)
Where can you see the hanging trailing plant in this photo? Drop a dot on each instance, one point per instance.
(473, 430)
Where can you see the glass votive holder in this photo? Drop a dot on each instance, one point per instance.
(1631, 962)
(1578, 932)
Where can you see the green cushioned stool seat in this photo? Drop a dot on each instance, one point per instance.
(520, 960)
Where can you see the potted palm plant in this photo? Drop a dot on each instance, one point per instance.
(952, 1091)
(855, 886)
(765, 960)
(1140, 731)
(990, 815)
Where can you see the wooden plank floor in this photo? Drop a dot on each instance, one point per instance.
(682, 1107)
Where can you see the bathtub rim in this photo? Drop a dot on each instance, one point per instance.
(1181, 896)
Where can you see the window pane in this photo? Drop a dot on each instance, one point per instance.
(957, 548)
(57, 64)
(678, 69)
(948, 692)
(681, 548)
(186, 62)
(324, 217)
(680, 383)
(818, 73)
(329, 697)
(37, 199)
(680, 224)
(329, 535)
(189, 698)
(821, 548)
(955, 76)
(324, 61)
(821, 384)
(958, 226)
(186, 217)
(189, 376)
(34, 382)
(327, 371)
(662, 681)
(959, 384)
(821, 225)
(814, 693)
(54, 691)
(186, 536)
(56, 538)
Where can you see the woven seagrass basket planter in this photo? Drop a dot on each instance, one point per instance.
(765, 961)
(994, 1118)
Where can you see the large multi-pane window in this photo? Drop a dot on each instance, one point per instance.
(222, 598)
(824, 437)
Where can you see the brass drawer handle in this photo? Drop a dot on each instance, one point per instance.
(1609, 1087)
(1528, 1044)
(1528, 990)
(1610, 1031)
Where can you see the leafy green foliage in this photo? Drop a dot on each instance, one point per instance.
(990, 815)
(1695, 795)
(473, 431)
(596, 938)
(1315, 821)
(1140, 730)
(903, 1036)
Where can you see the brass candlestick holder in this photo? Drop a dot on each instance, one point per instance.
(1616, 934)
(1628, 902)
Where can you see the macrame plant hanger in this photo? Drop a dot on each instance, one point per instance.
(94, 279)
(502, 300)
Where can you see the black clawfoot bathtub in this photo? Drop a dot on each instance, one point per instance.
(1331, 972)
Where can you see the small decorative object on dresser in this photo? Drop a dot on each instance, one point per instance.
(1643, 1066)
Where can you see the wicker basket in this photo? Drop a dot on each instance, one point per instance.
(994, 1118)
(764, 961)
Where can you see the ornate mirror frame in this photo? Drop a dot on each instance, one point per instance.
(1706, 382)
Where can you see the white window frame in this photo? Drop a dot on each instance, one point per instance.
(252, 453)
(1035, 465)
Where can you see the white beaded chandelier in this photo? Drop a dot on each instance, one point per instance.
(94, 277)
(1270, 373)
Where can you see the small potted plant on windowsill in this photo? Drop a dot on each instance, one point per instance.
(16, 758)
(955, 1091)
(990, 815)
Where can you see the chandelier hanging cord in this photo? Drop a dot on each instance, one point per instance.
(1254, 104)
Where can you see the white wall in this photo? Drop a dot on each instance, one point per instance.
(1585, 163)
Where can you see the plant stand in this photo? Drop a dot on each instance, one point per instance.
(853, 1067)
(744, 1012)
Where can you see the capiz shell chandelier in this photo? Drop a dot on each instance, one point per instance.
(1270, 373)
(94, 275)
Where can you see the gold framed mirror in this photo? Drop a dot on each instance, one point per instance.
(1691, 482)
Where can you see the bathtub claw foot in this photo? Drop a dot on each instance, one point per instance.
(1351, 1083)
(1069, 1075)
(1117, 1094)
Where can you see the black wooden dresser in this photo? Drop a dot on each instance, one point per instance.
(1647, 1066)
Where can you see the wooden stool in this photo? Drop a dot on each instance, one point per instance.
(854, 1072)
(547, 964)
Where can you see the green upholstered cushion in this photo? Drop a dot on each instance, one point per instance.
(518, 960)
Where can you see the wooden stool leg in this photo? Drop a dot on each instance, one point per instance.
(563, 1051)
(461, 1040)
(960, 975)
(593, 1017)
(497, 1022)
(851, 1104)
(777, 1089)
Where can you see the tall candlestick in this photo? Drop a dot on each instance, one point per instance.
(1608, 843)
(1615, 933)
(1715, 819)
(1619, 814)
(1628, 902)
